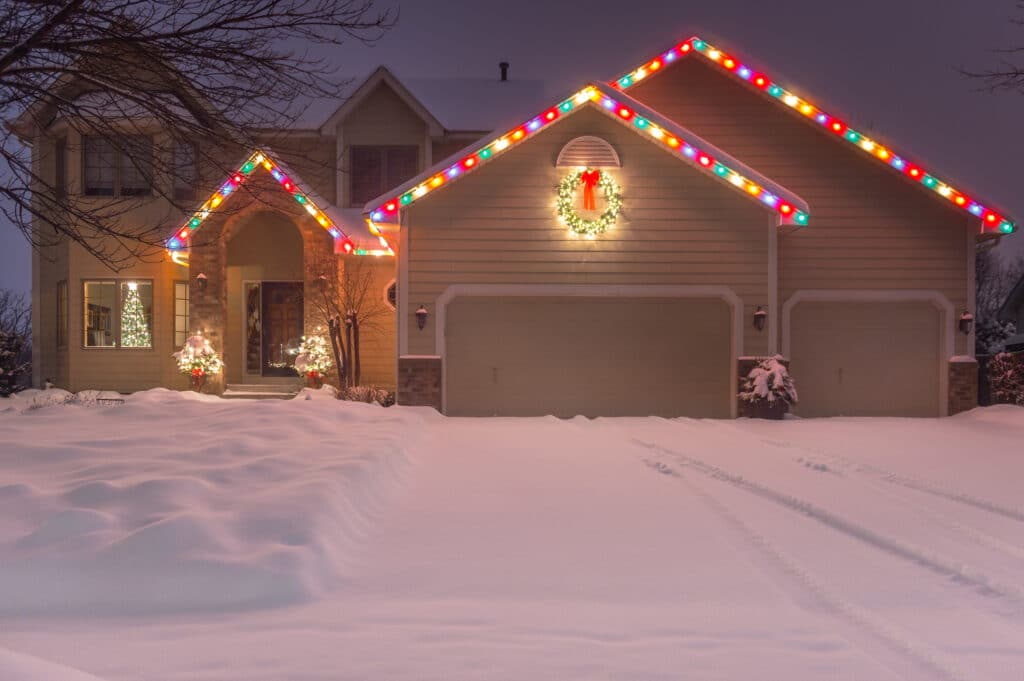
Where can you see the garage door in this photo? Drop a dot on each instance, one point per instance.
(592, 356)
(866, 359)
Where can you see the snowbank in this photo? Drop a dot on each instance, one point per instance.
(176, 501)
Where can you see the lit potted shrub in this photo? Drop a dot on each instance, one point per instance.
(768, 391)
(197, 359)
(314, 360)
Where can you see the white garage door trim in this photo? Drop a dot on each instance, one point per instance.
(589, 291)
(947, 338)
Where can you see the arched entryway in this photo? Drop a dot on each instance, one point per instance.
(265, 292)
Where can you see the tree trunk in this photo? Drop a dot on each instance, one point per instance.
(348, 353)
(335, 335)
(356, 363)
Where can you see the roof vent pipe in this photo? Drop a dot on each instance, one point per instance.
(504, 70)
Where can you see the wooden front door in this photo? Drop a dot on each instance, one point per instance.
(282, 327)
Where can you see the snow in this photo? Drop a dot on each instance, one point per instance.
(186, 537)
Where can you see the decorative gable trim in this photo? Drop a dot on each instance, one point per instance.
(588, 152)
(318, 208)
(644, 121)
(992, 221)
(382, 75)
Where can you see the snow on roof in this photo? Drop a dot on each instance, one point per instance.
(646, 122)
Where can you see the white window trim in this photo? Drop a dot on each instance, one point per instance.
(947, 334)
(118, 281)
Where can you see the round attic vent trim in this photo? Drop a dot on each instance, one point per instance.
(588, 152)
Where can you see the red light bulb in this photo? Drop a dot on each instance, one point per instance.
(704, 160)
(785, 209)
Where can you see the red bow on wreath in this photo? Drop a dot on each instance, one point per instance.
(589, 180)
(198, 372)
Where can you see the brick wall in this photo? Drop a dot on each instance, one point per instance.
(963, 385)
(419, 382)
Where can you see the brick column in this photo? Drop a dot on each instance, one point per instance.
(419, 382)
(963, 384)
(207, 304)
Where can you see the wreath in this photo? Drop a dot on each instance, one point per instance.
(589, 179)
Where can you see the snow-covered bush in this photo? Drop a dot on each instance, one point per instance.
(369, 394)
(314, 358)
(1006, 378)
(769, 384)
(198, 359)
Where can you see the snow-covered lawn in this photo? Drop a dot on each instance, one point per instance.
(184, 537)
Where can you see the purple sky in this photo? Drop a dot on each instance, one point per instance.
(890, 67)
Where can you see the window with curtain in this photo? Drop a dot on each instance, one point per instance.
(373, 170)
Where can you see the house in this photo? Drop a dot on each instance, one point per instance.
(734, 218)
(628, 249)
(1013, 311)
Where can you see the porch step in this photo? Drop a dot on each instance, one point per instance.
(261, 391)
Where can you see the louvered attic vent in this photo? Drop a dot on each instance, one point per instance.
(588, 152)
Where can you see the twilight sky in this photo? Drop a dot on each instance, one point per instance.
(890, 67)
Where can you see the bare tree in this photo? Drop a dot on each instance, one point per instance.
(15, 341)
(219, 74)
(994, 279)
(1008, 74)
(352, 308)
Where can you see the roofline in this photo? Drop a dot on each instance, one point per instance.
(1007, 311)
(646, 122)
(379, 75)
(313, 204)
(993, 221)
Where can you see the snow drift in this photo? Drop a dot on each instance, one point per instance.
(243, 505)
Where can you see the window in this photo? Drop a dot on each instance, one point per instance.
(60, 179)
(135, 167)
(99, 166)
(185, 170)
(62, 314)
(375, 170)
(391, 294)
(180, 313)
(118, 314)
(122, 170)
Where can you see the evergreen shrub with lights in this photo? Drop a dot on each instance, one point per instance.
(314, 359)
(197, 359)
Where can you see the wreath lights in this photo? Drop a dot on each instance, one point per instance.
(567, 201)
(992, 221)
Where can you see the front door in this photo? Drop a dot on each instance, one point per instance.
(282, 327)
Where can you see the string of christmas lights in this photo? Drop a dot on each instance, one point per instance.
(260, 159)
(595, 95)
(992, 221)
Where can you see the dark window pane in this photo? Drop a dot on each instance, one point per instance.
(185, 170)
(402, 165)
(60, 180)
(136, 165)
(100, 300)
(99, 166)
(367, 174)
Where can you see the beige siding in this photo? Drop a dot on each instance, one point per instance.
(377, 338)
(381, 119)
(870, 228)
(498, 225)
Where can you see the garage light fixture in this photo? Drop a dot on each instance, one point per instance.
(421, 316)
(966, 323)
(760, 317)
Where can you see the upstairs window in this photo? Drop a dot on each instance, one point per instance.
(375, 170)
(185, 170)
(124, 169)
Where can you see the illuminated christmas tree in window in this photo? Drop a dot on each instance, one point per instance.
(134, 327)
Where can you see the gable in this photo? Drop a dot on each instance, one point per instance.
(318, 209)
(641, 120)
(992, 220)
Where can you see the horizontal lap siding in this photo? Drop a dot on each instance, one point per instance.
(870, 228)
(498, 225)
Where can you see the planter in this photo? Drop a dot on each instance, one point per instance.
(197, 382)
(314, 380)
(763, 409)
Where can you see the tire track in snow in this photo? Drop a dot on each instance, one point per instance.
(861, 623)
(910, 483)
(937, 564)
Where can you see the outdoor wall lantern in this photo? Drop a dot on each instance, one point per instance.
(421, 317)
(760, 317)
(201, 282)
(966, 323)
(321, 283)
